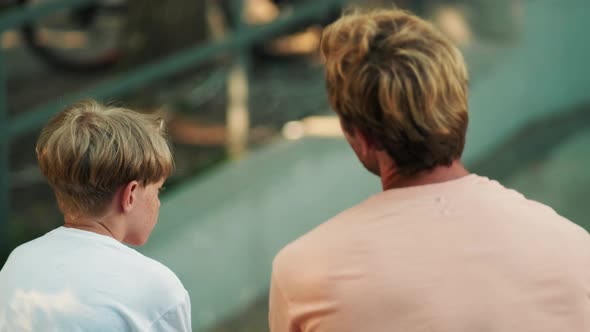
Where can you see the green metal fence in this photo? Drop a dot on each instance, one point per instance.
(238, 43)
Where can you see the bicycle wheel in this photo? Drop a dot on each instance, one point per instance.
(78, 40)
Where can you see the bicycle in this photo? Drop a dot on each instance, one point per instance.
(76, 40)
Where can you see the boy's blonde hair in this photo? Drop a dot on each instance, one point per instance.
(401, 82)
(88, 151)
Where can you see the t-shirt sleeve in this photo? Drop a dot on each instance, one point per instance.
(278, 315)
(177, 318)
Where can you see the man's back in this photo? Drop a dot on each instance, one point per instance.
(73, 280)
(464, 255)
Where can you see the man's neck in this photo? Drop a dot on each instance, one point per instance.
(390, 179)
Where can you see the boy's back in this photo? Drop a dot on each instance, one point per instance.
(73, 280)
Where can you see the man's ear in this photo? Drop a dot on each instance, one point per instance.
(371, 142)
(366, 143)
(128, 196)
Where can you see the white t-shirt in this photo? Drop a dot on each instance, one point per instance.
(74, 280)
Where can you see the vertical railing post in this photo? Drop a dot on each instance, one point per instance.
(238, 116)
(4, 158)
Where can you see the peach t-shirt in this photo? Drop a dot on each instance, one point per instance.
(461, 256)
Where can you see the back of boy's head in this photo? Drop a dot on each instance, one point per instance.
(89, 150)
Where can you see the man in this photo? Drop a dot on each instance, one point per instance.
(106, 166)
(440, 249)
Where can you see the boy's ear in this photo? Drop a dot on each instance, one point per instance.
(128, 196)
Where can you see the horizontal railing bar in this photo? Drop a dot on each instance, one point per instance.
(169, 66)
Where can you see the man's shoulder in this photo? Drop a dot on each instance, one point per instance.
(561, 226)
(319, 235)
(518, 210)
(544, 215)
(300, 267)
(310, 250)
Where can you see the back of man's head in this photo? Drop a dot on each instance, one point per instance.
(399, 81)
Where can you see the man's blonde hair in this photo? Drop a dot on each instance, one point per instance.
(401, 82)
(88, 151)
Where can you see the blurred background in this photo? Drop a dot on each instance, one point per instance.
(260, 156)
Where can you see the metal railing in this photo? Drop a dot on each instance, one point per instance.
(237, 42)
